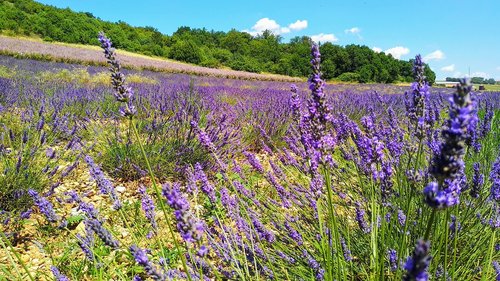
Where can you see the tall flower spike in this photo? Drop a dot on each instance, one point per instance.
(190, 229)
(102, 233)
(123, 93)
(142, 259)
(420, 93)
(148, 207)
(46, 208)
(318, 110)
(447, 164)
(58, 275)
(495, 180)
(416, 266)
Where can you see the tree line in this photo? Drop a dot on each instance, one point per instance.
(233, 49)
(474, 80)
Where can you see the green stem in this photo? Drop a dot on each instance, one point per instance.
(429, 225)
(160, 199)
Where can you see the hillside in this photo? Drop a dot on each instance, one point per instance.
(37, 49)
(216, 49)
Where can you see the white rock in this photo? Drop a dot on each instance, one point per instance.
(120, 188)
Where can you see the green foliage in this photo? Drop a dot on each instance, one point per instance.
(349, 77)
(235, 49)
(186, 51)
(24, 163)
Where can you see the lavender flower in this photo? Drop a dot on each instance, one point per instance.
(294, 234)
(190, 229)
(495, 179)
(496, 266)
(148, 207)
(416, 266)
(360, 218)
(101, 232)
(46, 208)
(58, 275)
(420, 93)
(86, 243)
(345, 249)
(206, 186)
(122, 93)
(142, 259)
(393, 259)
(254, 162)
(401, 217)
(104, 184)
(477, 181)
(447, 165)
(314, 265)
(317, 108)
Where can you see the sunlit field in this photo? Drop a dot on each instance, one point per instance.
(109, 173)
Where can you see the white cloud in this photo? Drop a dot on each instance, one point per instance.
(448, 68)
(269, 24)
(377, 49)
(398, 51)
(498, 68)
(458, 74)
(298, 25)
(322, 37)
(436, 55)
(353, 30)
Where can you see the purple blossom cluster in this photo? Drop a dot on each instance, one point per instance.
(188, 226)
(448, 165)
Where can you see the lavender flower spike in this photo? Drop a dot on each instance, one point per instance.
(148, 207)
(190, 229)
(122, 93)
(447, 165)
(46, 208)
(142, 259)
(495, 179)
(416, 266)
(58, 275)
(318, 110)
(102, 233)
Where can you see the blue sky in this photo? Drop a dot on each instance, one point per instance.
(452, 35)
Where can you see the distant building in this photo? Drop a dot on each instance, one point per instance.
(447, 84)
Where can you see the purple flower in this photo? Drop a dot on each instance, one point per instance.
(393, 259)
(103, 183)
(477, 181)
(495, 180)
(122, 93)
(345, 249)
(360, 218)
(417, 265)
(254, 162)
(46, 208)
(142, 259)
(148, 207)
(401, 217)
(101, 232)
(86, 243)
(206, 186)
(447, 164)
(58, 275)
(496, 266)
(190, 229)
(314, 265)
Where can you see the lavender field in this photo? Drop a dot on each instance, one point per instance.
(118, 174)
